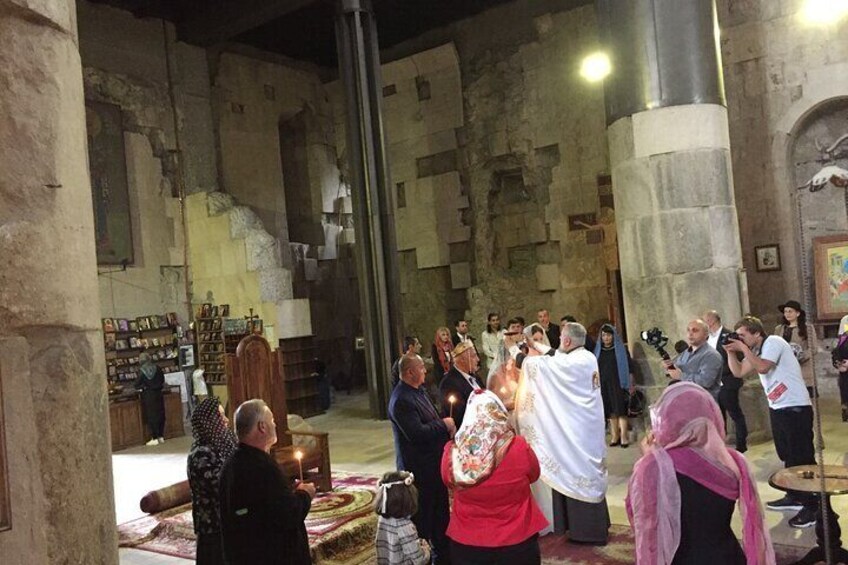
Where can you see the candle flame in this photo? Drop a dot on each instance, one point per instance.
(298, 455)
(451, 399)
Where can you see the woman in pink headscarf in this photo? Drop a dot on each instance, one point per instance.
(683, 490)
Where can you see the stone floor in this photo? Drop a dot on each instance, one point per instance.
(362, 445)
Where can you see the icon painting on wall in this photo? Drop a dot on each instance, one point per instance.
(109, 189)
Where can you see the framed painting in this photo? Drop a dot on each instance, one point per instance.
(768, 257)
(107, 166)
(831, 270)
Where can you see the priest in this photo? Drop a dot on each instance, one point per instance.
(560, 413)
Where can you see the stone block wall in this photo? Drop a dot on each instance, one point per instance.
(777, 69)
(125, 63)
(786, 81)
(493, 142)
(235, 261)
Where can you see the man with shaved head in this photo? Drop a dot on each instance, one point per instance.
(700, 363)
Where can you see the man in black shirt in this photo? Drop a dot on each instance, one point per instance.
(261, 514)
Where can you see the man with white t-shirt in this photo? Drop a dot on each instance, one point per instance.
(789, 406)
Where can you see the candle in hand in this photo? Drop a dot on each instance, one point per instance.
(299, 456)
(451, 399)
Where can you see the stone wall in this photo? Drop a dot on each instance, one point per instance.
(777, 69)
(125, 62)
(277, 148)
(785, 79)
(494, 141)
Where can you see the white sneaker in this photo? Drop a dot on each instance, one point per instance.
(152, 442)
(161, 440)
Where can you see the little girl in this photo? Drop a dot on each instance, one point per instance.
(397, 538)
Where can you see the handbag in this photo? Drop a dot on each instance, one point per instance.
(636, 404)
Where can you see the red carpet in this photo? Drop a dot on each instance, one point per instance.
(341, 524)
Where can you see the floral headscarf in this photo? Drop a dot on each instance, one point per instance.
(482, 440)
(209, 429)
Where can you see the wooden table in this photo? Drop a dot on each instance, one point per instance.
(806, 478)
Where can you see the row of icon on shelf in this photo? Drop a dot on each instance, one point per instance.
(211, 336)
(208, 310)
(141, 323)
(116, 374)
(208, 326)
(158, 355)
(113, 344)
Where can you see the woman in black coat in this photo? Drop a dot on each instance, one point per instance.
(150, 382)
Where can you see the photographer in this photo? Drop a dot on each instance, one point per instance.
(789, 405)
(700, 363)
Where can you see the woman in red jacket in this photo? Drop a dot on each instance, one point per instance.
(489, 469)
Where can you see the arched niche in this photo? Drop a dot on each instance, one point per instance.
(819, 211)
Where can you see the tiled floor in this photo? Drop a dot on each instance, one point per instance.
(360, 444)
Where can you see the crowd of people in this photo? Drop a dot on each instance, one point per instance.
(485, 466)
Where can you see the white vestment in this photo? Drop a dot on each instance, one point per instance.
(561, 415)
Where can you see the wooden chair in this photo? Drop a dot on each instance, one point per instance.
(254, 372)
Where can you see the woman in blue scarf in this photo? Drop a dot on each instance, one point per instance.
(150, 382)
(614, 365)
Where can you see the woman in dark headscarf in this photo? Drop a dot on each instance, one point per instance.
(150, 382)
(614, 366)
(214, 443)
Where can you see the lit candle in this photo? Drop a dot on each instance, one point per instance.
(451, 399)
(299, 456)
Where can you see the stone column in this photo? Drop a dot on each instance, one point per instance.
(51, 350)
(670, 157)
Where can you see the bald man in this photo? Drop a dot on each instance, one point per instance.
(700, 363)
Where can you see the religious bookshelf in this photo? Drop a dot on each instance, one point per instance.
(125, 339)
(211, 346)
(298, 369)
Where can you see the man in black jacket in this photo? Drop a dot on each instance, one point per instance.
(728, 395)
(262, 516)
(421, 435)
(460, 381)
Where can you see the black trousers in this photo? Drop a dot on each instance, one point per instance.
(843, 388)
(793, 438)
(524, 553)
(433, 516)
(728, 401)
(210, 549)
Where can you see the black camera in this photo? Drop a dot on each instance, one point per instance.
(731, 336)
(656, 339)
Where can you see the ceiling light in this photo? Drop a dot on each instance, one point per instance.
(596, 67)
(825, 12)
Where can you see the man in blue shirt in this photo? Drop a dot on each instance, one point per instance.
(700, 363)
(420, 437)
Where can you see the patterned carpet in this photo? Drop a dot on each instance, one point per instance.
(341, 525)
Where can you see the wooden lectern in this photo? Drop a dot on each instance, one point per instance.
(254, 372)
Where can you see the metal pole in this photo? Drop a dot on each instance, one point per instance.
(359, 68)
(825, 509)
